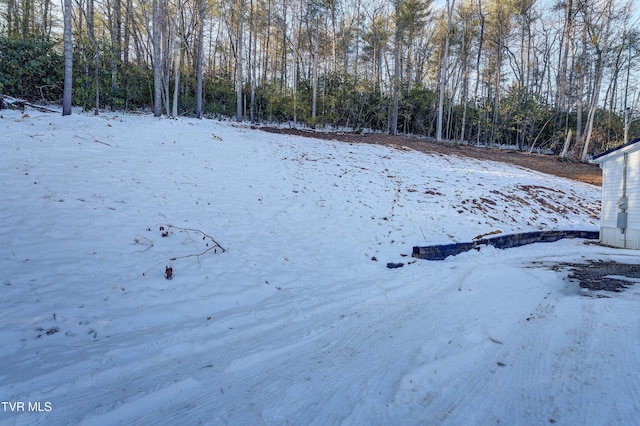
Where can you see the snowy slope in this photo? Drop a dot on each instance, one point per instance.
(294, 318)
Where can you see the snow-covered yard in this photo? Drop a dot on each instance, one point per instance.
(294, 318)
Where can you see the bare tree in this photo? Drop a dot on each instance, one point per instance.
(443, 70)
(316, 53)
(68, 59)
(96, 53)
(201, 20)
(253, 63)
(481, 37)
(116, 48)
(397, 39)
(467, 15)
(175, 47)
(597, 25)
(157, 60)
(239, 61)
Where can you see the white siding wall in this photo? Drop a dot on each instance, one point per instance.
(633, 238)
(633, 189)
(611, 236)
(611, 192)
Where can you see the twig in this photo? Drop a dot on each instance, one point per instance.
(144, 240)
(304, 157)
(104, 143)
(44, 86)
(195, 230)
(171, 259)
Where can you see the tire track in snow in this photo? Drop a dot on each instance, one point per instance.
(470, 371)
(549, 366)
(341, 334)
(598, 355)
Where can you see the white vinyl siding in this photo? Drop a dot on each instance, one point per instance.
(612, 166)
(611, 191)
(633, 190)
(611, 236)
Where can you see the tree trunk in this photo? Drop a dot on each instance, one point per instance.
(9, 19)
(464, 51)
(294, 42)
(314, 94)
(27, 11)
(201, 16)
(593, 107)
(267, 44)
(127, 24)
(253, 63)
(562, 75)
(96, 53)
(46, 20)
(239, 60)
(600, 40)
(580, 100)
(393, 124)
(567, 142)
(627, 108)
(478, 74)
(443, 71)
(115, 45)
(166, 55)
(175, 49)
(68, 59)
(157, 61)
(177, 66)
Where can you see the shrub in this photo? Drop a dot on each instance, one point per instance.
(30, 70)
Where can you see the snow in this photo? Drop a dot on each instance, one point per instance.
(294, 318)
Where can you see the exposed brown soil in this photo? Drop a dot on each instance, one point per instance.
(549, 164)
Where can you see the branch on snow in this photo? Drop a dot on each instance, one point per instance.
(166, 230)
(13, 103)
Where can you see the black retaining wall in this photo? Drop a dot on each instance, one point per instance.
(440, 252)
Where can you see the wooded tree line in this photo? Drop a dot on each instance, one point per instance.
(560, 75)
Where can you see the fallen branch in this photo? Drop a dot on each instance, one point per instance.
(104, 143)
(196, 230)
(164, 229)
(171, 259)
(20, 103)
(115, 145)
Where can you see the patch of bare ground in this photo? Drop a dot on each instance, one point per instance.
(588, 173)
(597, 275)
